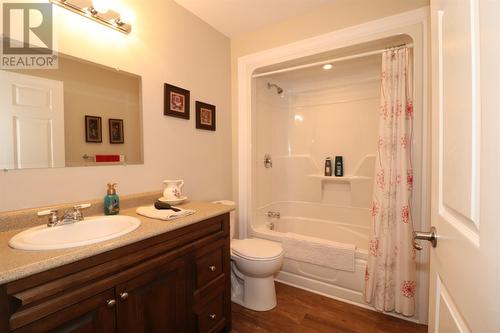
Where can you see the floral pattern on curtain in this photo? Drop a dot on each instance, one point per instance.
(390, 274)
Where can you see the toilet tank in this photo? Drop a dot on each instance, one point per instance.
(232, 215)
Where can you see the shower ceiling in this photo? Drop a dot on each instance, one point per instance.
(344, 68)
(347, 51)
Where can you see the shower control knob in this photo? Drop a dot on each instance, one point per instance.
(268, 161)
(430, 236)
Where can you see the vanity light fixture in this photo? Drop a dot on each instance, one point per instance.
(97, 11)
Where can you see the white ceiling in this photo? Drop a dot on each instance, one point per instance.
(235, 17)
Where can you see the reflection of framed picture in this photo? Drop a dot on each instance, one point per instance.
(93, 129)
(116, 131)
(205, 116)
(176, 101)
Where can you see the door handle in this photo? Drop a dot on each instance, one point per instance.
(430, 236)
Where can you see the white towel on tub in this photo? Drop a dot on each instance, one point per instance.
(320, 251)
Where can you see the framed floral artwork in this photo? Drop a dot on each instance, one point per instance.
(205, 116)
(93, 129)
(176, 102)
(116, 134)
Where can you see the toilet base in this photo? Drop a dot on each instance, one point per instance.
(258, 294)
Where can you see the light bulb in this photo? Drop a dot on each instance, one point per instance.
(102, 6)
(127, 16)
(327, 66)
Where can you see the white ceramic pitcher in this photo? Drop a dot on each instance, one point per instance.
(173, 189)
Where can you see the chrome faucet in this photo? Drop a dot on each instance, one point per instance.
(52, 214)
(274, 215)
(71, 215)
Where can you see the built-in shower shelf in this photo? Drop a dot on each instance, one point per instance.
(334, 179)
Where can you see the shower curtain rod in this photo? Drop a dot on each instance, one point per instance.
(330, 61)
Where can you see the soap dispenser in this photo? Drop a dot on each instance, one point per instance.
(111, 201)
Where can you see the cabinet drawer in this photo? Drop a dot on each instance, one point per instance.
(95, 314)
(211, 314)
(208, 267)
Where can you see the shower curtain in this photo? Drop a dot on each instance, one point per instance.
(390, 274)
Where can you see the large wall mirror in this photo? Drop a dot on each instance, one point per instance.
(80, 114)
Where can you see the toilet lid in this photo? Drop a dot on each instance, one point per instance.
(256, 249)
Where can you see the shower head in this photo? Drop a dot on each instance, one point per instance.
(279, 90)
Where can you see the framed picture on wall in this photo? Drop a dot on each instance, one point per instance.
(176, 102)
(93, 129)
(116, 134)
(205, 116)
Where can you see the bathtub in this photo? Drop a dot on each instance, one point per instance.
(330, 222)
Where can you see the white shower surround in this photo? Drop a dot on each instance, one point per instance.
(414, 24)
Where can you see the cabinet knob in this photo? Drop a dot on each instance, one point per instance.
(212, 316)
(110, 303)
(123, 296)
(212, 268)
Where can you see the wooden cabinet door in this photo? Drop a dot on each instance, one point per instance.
(93, 315)
(155, 301)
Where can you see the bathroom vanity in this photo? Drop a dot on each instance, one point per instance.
(167, 281)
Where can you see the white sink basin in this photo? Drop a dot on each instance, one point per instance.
(89, 231)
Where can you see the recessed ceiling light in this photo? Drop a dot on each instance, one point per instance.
(327, 66)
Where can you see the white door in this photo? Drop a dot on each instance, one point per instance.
(465, 265)
(31, 122)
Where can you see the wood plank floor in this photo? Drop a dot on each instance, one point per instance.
(302, 311)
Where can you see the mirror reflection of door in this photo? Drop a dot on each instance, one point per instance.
(31, 122)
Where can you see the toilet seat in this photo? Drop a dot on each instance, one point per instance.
(255, 249)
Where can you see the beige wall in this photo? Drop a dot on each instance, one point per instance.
(340, 14)
(167, 44)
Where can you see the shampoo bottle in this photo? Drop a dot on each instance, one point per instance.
(328, 166)
(111, 201)
(339, 166)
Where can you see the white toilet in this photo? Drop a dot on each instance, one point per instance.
(253, 265)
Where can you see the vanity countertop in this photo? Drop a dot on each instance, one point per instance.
(16, 264)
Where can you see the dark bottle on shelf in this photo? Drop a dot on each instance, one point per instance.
(328, 166)
(339, 166)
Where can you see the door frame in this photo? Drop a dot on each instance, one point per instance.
(414, 23)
